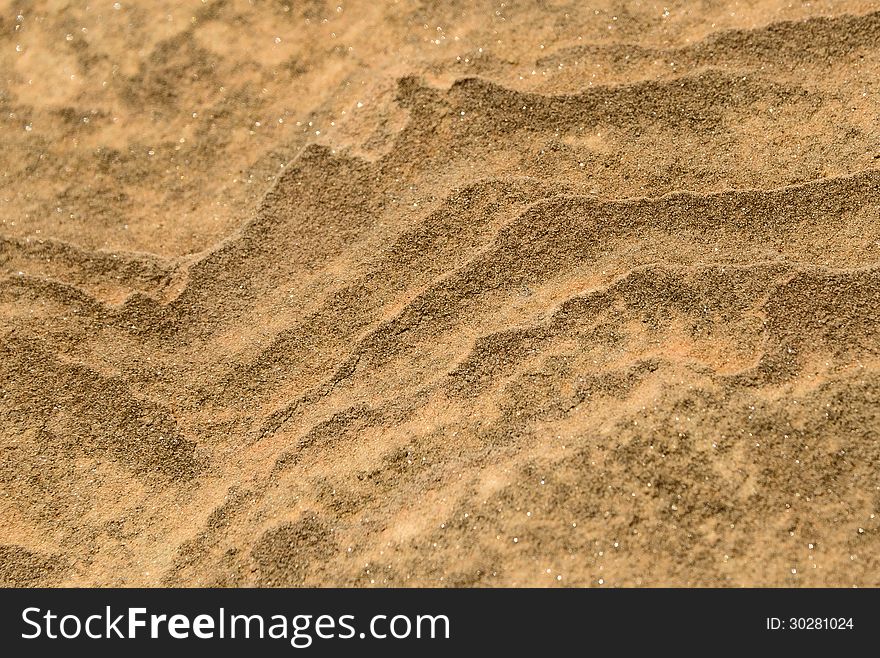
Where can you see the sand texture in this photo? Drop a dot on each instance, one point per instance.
(440, 293)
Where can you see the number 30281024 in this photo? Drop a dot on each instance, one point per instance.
(810, 624)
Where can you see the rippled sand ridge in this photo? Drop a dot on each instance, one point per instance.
(440, 293)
